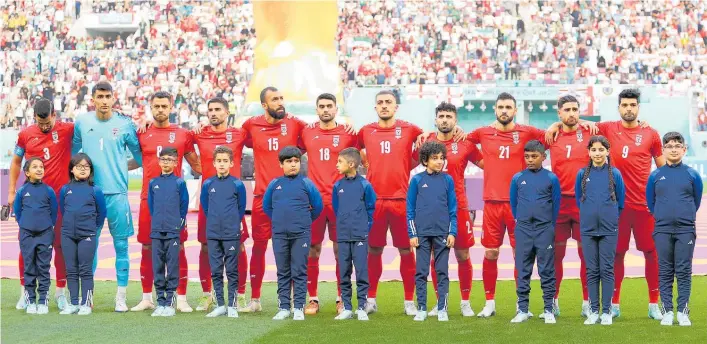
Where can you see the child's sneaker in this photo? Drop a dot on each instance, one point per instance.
(592, 318)
(362, 315)
(420, 316)
(282, 314)
(549, 318)
(489, 309)
(252, 307)
(668, 319)
(442, 316)
(433, 312)
(42, 309)
(205, 303)
(520, 317)
(158, 311)
(232, 312)
(684, 319)
(606, 319)
(70, 309)
(654, 311)
(85, 310)
(410, 308)
(371, 306)
(217, 312)
(345, 314)
(466, 309)
(31, 308)
(168, 311)
(298, 314)
(61, 301)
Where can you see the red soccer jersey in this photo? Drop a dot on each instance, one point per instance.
(459, 154)
(389, 152)
(54, 148)
(152, 141)
(568, 155)
(632, 150)
(504, 156)
(268, 139)
(208, 140)
(323, 148)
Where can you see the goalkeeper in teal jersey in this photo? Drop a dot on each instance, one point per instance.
(106, 136)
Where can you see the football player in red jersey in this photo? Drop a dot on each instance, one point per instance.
(207, 140)
(568, 155)
(502, 146)
(389, 153)
(322, 143)
(158, 136)
(634, 147)
(459, 154)
(49, 140)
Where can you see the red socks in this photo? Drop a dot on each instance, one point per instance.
(583, 274)
(375, 270)
(466, 271)
(652, 276)
(490, 275)
(60, 267)
(433, 272)
(21, 266)
(183, 272)
(257, 268)
(147, 277)
(242, 271)
(407, 272)
(560, 250)
(204, 271)
(618, 276)
(312, 275)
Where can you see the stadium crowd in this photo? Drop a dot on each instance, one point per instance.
(198, 49)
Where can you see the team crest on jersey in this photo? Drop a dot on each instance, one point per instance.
(172, 137)
(283, 129)
(639, 139)
(398, 132)
(580, 136)
(55, 137)
(335, 141)
(115, 133)
(229, 137)
(455, 148)
(516, 138)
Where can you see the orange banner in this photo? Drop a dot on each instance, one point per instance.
(295, 49)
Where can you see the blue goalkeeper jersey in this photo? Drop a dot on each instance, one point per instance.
(107, 143)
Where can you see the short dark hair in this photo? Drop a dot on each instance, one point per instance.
(673, 136)
(162, 95)
(387, 92)
(265, 91)
(170, 151)
(223, 150)
(43, 108)
(431, 148)
(219, 100)
(506, 96)
(75, 160)
(351, 154)
(566, 99)
(327, 96)
(444, 106)
(534, 146)
(102, 86)
(289, 152)
(630, 93)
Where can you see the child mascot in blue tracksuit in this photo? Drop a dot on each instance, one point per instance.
(292, 202)
(535, 202)
(674, 192)
(223, 198)
(83, 209)
(599, 190)
(168, 203)
(354, 201)
(36, 211)
(432, 225)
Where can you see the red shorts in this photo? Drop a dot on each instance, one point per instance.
(465, 230)
(262, 226)
(497, 218)
(201, 228)
(568, 221)
(389, 213)
(642, 223)
(319, 225)
(144, 226)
